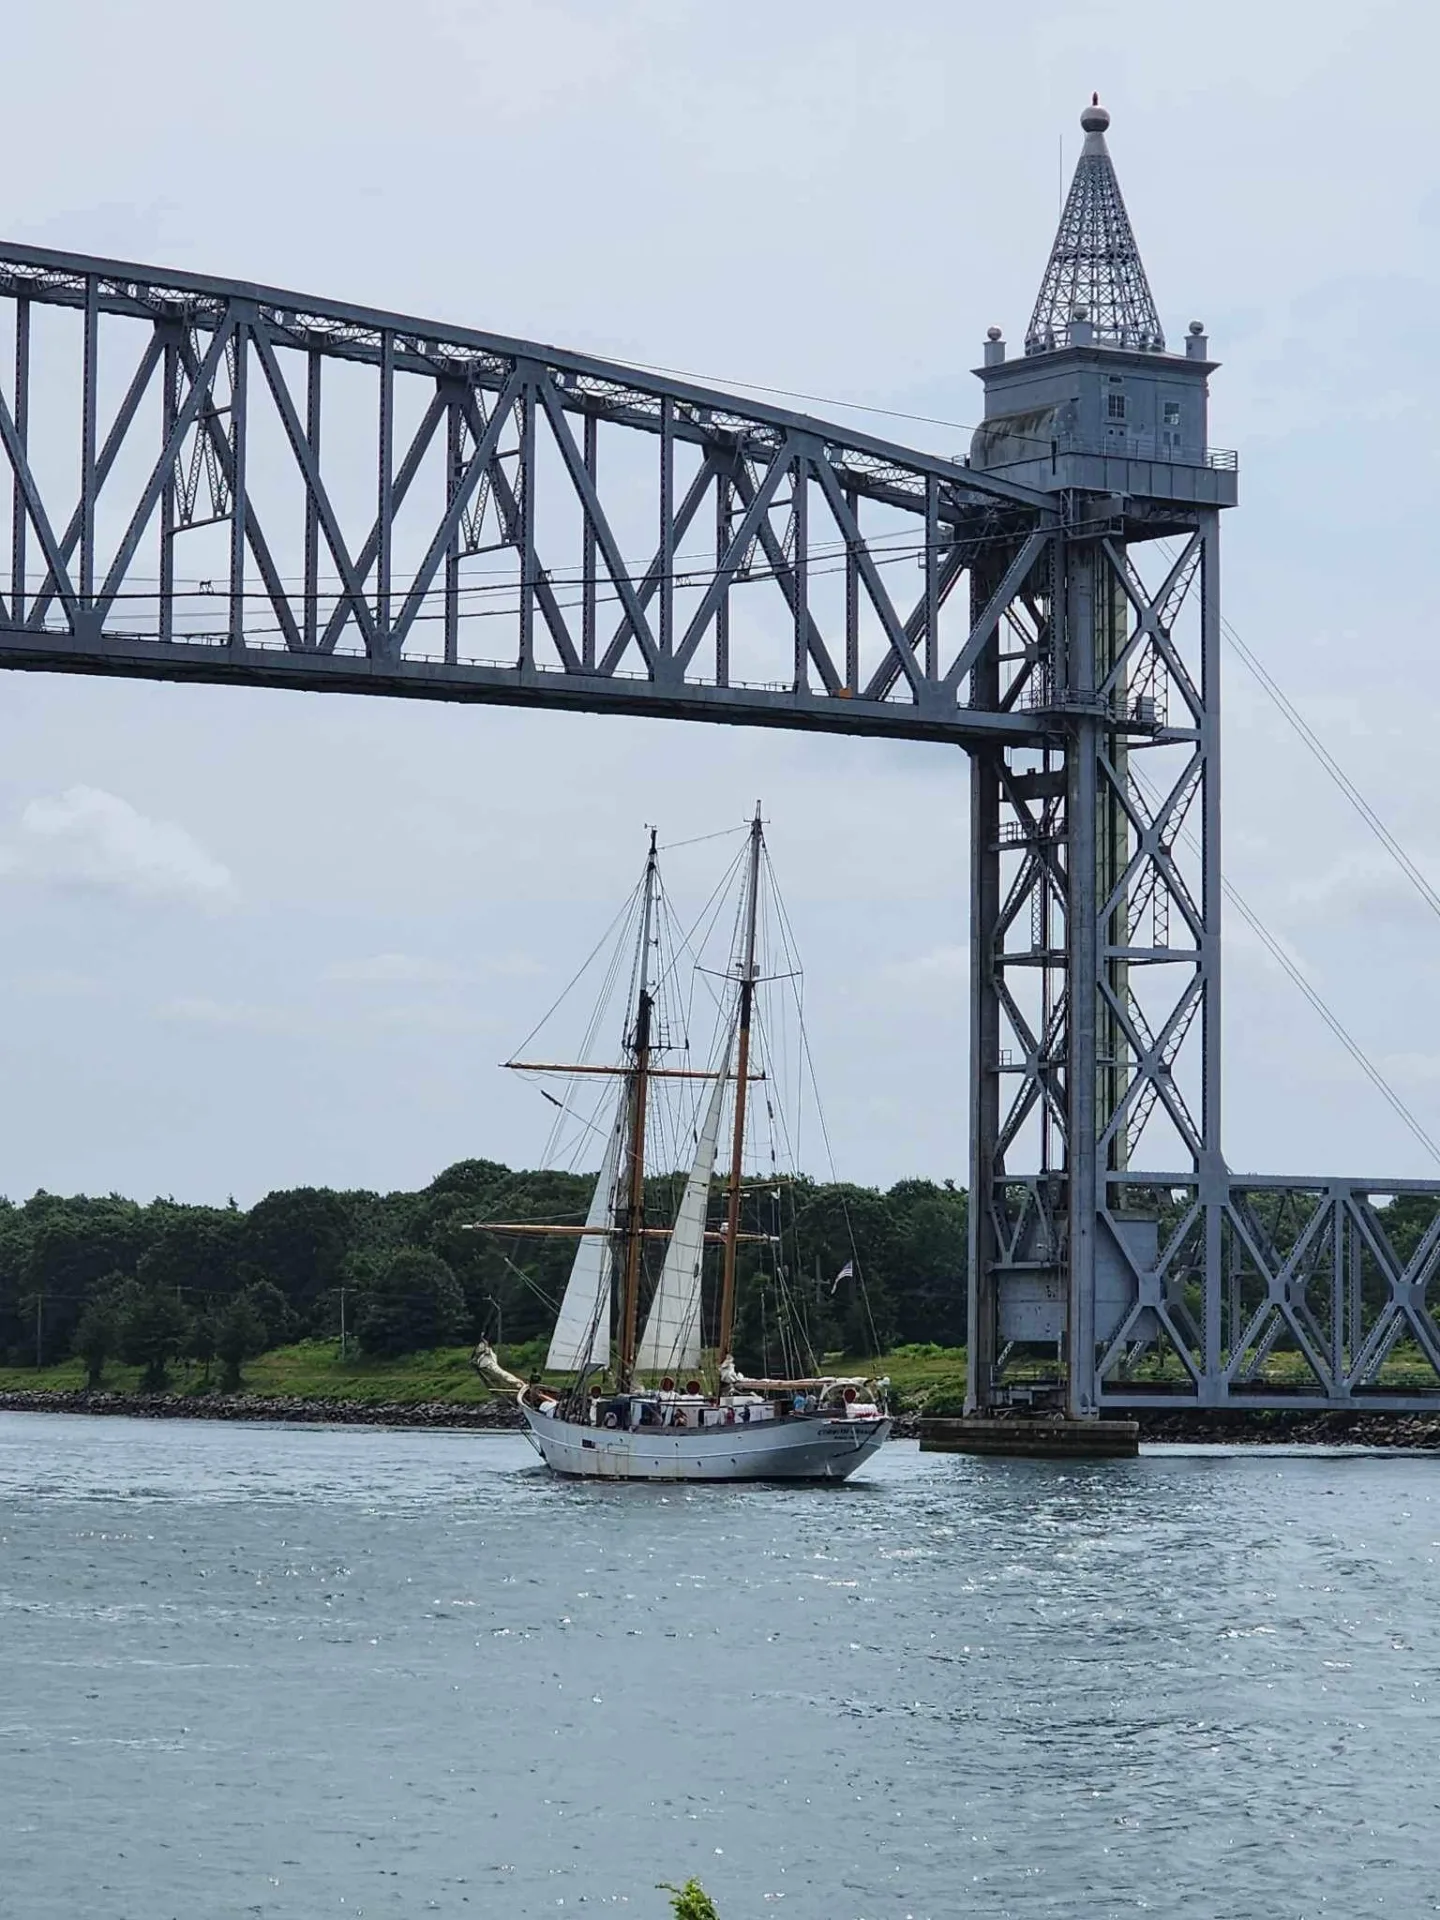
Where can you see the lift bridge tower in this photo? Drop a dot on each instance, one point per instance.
(1106, 1229)
(1095, 924)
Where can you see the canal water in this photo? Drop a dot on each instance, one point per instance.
(259, 1671)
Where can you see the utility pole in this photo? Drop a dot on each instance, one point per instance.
(342, 1323)
(39, 1327)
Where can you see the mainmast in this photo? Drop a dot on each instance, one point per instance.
(633, 1232)
(742, 1075)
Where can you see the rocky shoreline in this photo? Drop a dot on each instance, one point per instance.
(1190, 1427)
(1263, 1426)
(495, 1415)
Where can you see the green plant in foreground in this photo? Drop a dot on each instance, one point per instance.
(690, 1902)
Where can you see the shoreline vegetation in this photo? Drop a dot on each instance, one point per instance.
(316, 1303)
(311, 1383)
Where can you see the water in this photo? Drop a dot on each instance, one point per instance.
(276, 1672)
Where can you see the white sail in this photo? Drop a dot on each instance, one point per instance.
(671, 1341)
(582, 1331)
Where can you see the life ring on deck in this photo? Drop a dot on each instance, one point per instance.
(612, 1419)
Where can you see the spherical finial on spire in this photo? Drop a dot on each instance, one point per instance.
(1094, 119)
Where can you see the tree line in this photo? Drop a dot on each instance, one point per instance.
(849, 1268)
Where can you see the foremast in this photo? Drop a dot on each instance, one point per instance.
(632, 1224)
(726, 1333)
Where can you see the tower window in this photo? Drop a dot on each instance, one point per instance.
(1116, 407)
(1172, 413)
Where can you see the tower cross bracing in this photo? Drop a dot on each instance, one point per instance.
(210, 480)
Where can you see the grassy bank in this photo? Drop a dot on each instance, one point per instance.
(315, 1370)
(443, 1376)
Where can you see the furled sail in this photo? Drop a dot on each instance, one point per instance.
(671, 1340)
(582, 1331)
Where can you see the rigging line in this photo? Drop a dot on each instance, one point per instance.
(623, 914)
(1332, 1020)
(807, 1054)
(700, 838)
(570, 1112)
(792, 954)
(526, 1280)
(844, 1203)
(575, 1089)
(688, 943)
(618, 941)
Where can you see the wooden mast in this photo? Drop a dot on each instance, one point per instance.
(742, 1073)
(633, 1238)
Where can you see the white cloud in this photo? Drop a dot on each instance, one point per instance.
(252, 1017)
(394, 970)
(1242, 944)
(1411, 1069)
(88, 838)
(947, 964)
(58, 983)
(231, 1013)
(1363, 885)
(434, 1019)
(414, 970)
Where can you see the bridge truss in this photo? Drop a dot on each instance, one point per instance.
(221, 482)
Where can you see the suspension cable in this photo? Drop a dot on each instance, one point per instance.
(1276, 949)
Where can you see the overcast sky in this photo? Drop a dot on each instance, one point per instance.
(255, 939)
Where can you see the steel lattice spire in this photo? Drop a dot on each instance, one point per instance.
(1095, 271)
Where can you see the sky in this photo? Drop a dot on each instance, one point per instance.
(257, 939)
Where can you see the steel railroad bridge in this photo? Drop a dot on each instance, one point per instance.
(272, 490)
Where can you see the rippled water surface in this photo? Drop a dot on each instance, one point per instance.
(297, 1672)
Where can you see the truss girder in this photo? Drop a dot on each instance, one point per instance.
(1327, 1293)
(202, 404)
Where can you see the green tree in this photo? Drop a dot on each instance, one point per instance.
(152, 1328)
(201, 1345)
(196, 1247)
(413, 1302)
(239, 1336)
(277, 1322)
(14, 1264)
(503, 1281)
(927, 1279)
(298, 1238)
(74, 1245)
(96, 1337)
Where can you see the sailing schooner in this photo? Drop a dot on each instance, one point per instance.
(633, 1420)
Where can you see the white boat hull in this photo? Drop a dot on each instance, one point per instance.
(801, 1448)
